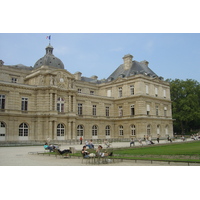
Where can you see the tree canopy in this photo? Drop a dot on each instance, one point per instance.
(185, 96)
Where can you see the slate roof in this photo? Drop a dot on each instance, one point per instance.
(49, 59)
(136, 68)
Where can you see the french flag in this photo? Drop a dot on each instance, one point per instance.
(48, 37)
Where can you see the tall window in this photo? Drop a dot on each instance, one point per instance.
(132, 110)
(2, 101)
(24, 104)
(164, 93)
(156, 110)
(158, 129)
(132, 89)
(133, 131)
(165, 111)
(121, 130)
(148, 109)
(94, 110)
(147, 89)
(120, 91)
(156, 91)
(149, 129)
(79, 130)
(107, 130)
(107, 111)
(120, 111)
(23, 130)
(80, 109)
(2, 129)
(60, 130)
(108, 93)
(94, 130)
(60, 104)
(166, 130)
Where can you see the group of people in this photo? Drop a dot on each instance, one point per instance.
(195, 136)
(98, 153)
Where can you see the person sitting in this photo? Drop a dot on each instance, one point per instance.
(107, 144)
(84, 152)
(99, 152)
(140, 141)
(169, 139)
(132, 142)
(46, 146)
(90, 145)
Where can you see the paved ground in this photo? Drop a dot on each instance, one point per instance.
(18, 156)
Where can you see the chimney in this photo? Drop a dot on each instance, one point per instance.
(94, 77)
(145, 62)
(127, 61)
(78, 75)
(1, 62)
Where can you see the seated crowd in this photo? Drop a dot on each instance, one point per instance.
(98, 153)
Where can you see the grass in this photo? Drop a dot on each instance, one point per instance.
(192, 148)
(181, 152)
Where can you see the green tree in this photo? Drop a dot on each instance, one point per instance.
(185, 96)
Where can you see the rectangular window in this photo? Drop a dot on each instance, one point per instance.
(80, 109)
(79, 90)
(156, 110)
(2, 101)
(147, 89)
(108, 93)
(148, 109)
(165, 111)
(14, 80)
(120, 111)
(120, 91)
(24, 104)
(94, 110)
(164, 93)
(132, 89)
(72, 103)
(60, 107)
(156, 91)
(132, 110)
(107, 111)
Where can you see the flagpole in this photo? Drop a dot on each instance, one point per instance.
(49, 39)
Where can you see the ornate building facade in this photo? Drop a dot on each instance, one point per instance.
(47, 101)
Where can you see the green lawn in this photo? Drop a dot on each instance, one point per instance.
(169, 152)
(192, 148)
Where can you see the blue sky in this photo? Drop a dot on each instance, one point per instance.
(170, 55)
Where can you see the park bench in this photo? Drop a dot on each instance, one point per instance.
(64, 155)
(98, 159)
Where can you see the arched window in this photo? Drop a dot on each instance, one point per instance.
(60, 130)
(79, 130)
(2, 129)
(133, 130)
(94, 130)
(23, 130)
(149, 129)
(60, 104)
(107, 130)
(121, 130)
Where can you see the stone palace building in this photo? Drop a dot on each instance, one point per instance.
(47, 101)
